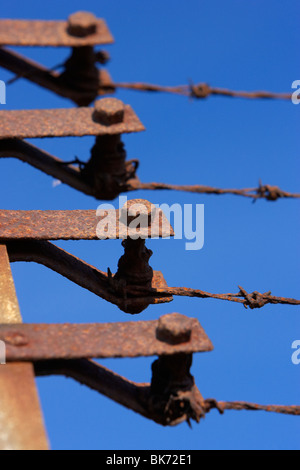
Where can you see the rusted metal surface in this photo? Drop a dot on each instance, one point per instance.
(9, 307)
(86, 276)
(63, 123)
(78, 225)
(139, 397)
(54, 81)
(69, 341)
(21, 423)
(51, 33)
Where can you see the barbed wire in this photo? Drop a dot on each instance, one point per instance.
(221, 406)
(194, 91)
(197, 91)
(268, 192)
(252, 300)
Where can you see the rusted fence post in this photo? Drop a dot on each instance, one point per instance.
(21, 422)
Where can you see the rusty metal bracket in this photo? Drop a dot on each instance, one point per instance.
(165, 403)
(38, 342)
(111, 224)
(106, 174)
(81, 80)
(26, 234)
(109, 117)
(51, 79)
(94, 31)
(172, 397)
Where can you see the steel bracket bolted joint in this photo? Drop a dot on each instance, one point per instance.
(106, 174)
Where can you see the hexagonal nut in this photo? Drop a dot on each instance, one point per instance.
(82, 24)
(138, 208)
(109, 111)
(174, 328)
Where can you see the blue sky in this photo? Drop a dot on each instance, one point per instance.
(221, 142)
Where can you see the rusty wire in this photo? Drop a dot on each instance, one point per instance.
(268, 192)
(198, 91)
(252, 300)
(221, 406)
(72, 175)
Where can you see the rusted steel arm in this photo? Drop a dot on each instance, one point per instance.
(45, 162)
(36, 73)
(129, 394)
(62, 262)
(84, 275)
(170, 405)
(139, 397)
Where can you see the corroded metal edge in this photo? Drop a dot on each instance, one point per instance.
(49, 33)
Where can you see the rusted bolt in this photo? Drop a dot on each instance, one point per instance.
(109, 111)
(16, 339)
(82, 24)
(138, 208)
(174, 328)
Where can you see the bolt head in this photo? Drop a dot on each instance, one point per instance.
(174, 328)
(109, 111)
(138, 208)
(82, 24)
